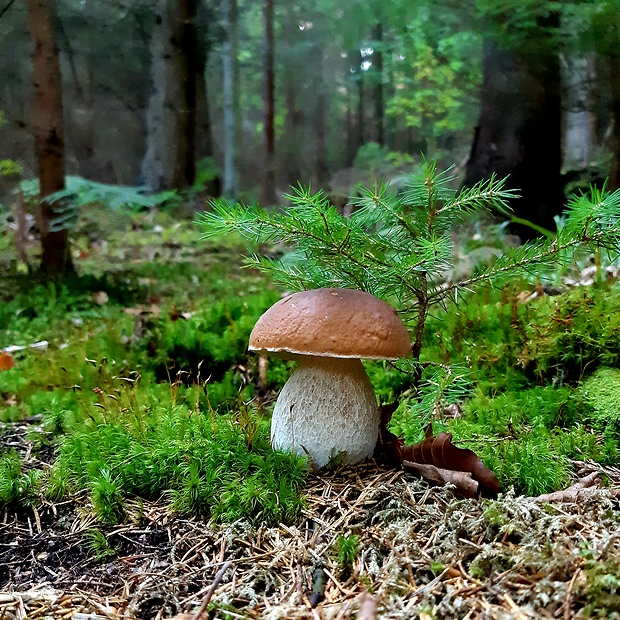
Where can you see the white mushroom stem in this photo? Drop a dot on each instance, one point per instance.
(327, 409)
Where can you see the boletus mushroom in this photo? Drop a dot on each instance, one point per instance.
(328, 407)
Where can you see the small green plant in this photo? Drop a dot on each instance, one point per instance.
(348, 550)
(601, 589)
(397, 245)
(99, 546)
(602, 393)
(16, 485)
(107, 497)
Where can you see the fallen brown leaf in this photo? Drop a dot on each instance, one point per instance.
(6, 361)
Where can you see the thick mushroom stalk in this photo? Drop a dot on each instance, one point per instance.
(327, 409)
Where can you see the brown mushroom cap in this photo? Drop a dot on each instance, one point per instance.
(331, 322)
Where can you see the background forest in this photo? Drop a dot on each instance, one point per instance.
(147, 154)
(247, 98)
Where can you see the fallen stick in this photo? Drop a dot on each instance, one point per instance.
(583, 488)
(211, 590)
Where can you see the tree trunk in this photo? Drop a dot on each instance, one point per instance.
(291, 145)
(519, 132)
(361, 108)
(231, 99)
(377, 61)
(48, 135)
(579, 119)
(185, 45)
(81, 134)
(614, 174)
(351, 140)
(269, 176)
(169, 161)
(156, 165)
(322, 171)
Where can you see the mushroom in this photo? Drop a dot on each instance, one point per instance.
(328, 407)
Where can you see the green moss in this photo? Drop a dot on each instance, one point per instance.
(602, 394)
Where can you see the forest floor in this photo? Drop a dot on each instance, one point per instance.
(540, 560)
(418, 551)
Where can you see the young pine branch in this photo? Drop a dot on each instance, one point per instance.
(397, 246)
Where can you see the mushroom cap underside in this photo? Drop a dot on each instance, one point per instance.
(331, 322)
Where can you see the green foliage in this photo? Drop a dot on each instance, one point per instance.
(206, 173)
(98, 545)
(348, 550)
(399, 247)
(10, 168)
(120, 422)
(602, 393)
(377, 160)
(214, 337)
(106, 497)
(601, 590)
(209, 464)
(392, 245)
(81, 192)
(16, 485)
(436, 82)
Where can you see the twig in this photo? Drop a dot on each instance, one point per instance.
(569, 595)
(211, 590)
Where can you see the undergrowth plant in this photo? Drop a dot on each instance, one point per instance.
(400, 247)
(135, 443)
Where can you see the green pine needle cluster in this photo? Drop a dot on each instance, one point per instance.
(399, 246)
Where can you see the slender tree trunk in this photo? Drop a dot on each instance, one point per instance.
(157, 165)
(519, 132)
(204, 131)
(48, 135)
(579, 120)
(269, 177)
(170, 160)
(231, 98)
(378, 96)
(291, 161)
(361, 107)
(185, 44)
(81, 132)
(351, 132)
(322, 170)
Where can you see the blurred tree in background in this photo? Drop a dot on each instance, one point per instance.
(181, 93)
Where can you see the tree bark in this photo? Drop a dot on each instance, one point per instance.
(361, 107)
(170, 159)
(231, 99)
(185, 44)
(269, 175)
(81, 134)
(614, 174)
(48, 135)
(291, 145)
(519, 131)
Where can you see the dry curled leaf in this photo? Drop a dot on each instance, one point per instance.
(439, 453)
(6, 361)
